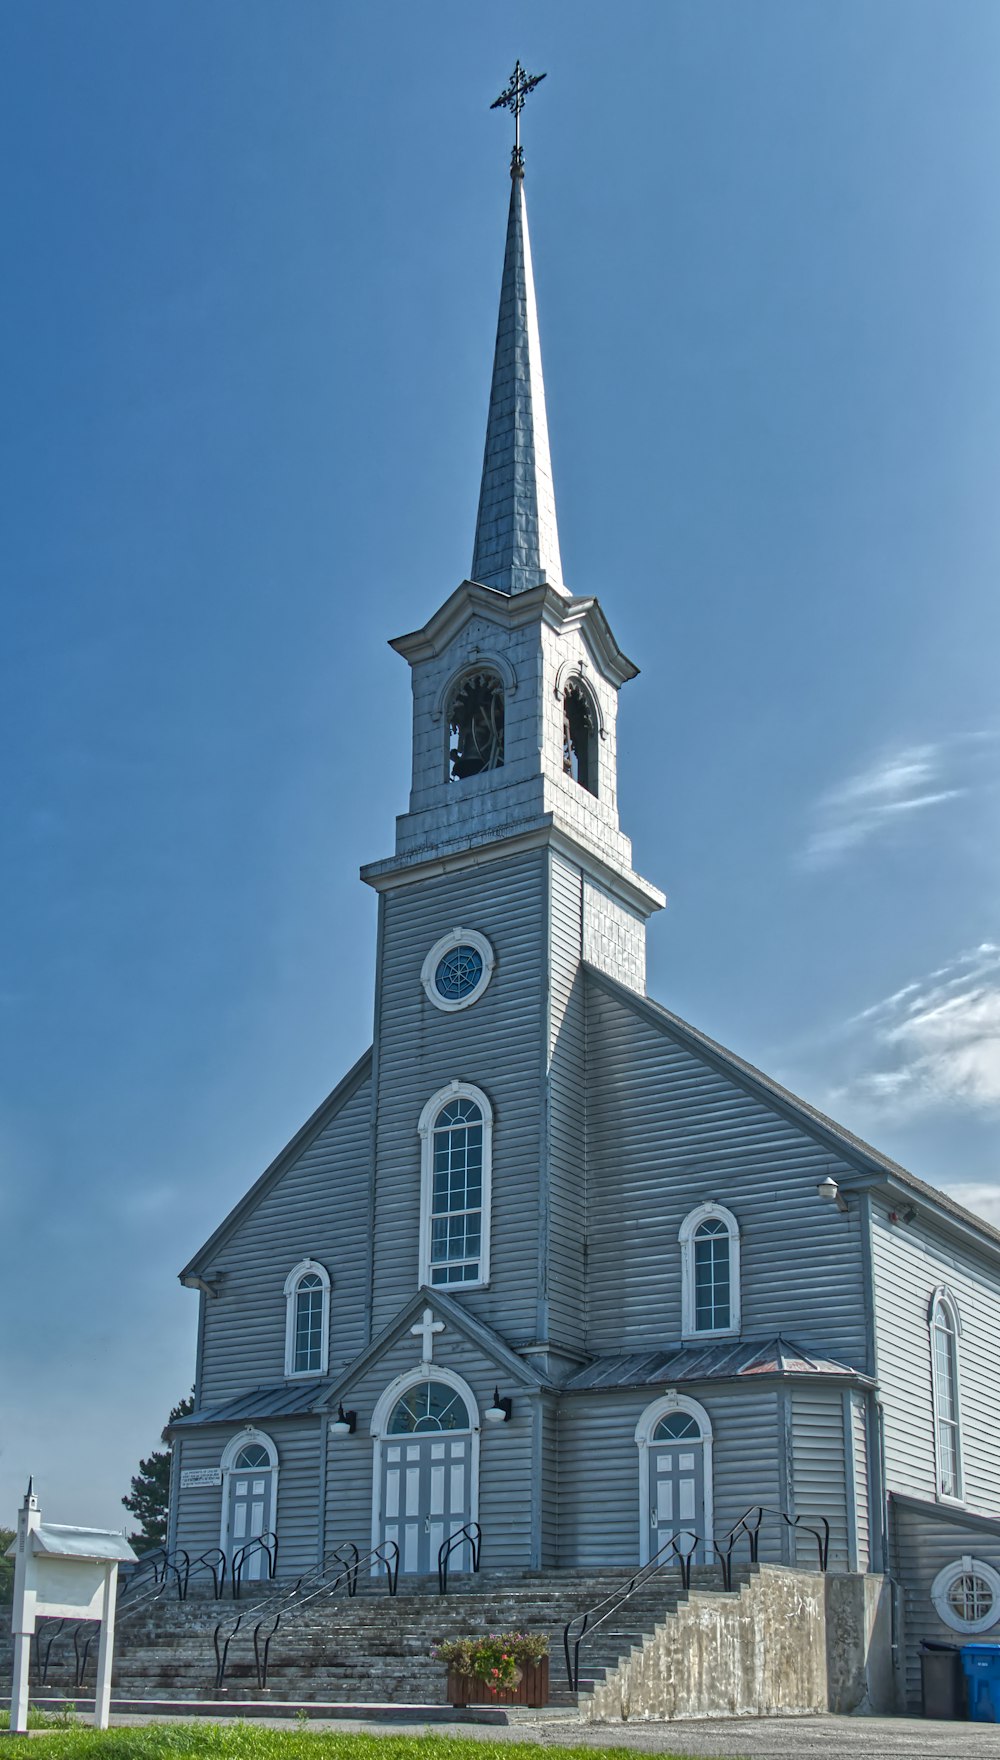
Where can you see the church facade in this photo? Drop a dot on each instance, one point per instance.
(548, 1258)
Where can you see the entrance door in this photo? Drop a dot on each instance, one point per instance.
(426, 1476)
(250, 1488)
(677, 1484)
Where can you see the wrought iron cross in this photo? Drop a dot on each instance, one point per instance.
(425, 1330)
(518, 87)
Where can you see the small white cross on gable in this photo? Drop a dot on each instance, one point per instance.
(425, 1330)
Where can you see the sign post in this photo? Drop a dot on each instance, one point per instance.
(62, 1573)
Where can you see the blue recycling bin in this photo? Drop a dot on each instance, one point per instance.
(981, 1668)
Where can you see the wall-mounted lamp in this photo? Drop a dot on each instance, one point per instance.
(830, 1193)
(345, 1423)
(499, 1412)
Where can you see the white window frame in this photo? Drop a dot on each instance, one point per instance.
(457, 938)
(961, 1567)
(243, 1439)
(662, 1408)
(688, 1230)
(943, 1299)
(428, 1117)
(304, 1268)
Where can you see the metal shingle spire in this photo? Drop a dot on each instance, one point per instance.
(517, 539)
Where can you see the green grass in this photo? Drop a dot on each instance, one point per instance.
(67, 1740)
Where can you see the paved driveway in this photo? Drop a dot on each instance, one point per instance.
(783, 1738)
(737, 1738)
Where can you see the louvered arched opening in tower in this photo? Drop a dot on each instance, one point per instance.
(475, 726)
(579, 735)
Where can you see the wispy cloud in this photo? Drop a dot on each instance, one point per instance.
(934, 1042)
(898, 787)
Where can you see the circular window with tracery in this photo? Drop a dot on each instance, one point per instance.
(966, 1595)
(457, 969)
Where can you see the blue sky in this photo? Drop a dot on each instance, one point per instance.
(252, 263)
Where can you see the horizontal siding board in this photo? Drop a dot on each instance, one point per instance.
(921, 1547)
(317, 1209)
(667, 1131)
(819, 1472)
(599, 1466)
(910, 1262)
(498, 1044)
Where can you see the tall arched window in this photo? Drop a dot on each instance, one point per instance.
(307, 1319)
(456, 1130)
(946, 1326)
(710, 1272)
(475, 726)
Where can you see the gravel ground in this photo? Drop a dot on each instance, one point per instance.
(757, 1738)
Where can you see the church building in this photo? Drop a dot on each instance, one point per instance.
(549, 1259)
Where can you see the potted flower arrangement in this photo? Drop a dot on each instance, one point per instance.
(503, 1668)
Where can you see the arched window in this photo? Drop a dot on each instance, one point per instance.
(475, 726)
(456, 1130)
(429, 1405)
(710, 1272)
(307, 1319)
(945, 1325)
(579, 735)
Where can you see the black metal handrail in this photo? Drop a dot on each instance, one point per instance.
(472, 1533)
(266, 1543)
(576, 1629)
(674, 1552)
(751, 1529)
(387, 1554)
(315, 1582)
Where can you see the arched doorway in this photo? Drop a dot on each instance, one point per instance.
(426, 1466)
(249, 1497)
(674, 1436)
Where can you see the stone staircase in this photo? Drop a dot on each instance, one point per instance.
(372, 1649)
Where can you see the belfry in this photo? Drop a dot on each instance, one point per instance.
(551, 1281)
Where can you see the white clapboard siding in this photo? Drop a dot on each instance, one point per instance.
(666, 1130)
(910, 1262)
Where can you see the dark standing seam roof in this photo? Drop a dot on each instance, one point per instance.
(712, 1362)
(285, 1401)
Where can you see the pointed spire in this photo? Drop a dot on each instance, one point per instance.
(517, 539)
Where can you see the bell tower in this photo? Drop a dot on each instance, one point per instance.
(515, 680)
(510, 862)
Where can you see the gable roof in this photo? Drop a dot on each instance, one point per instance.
(869, 1162)
(474, 1331)
(328, 1110)
(735, 1359)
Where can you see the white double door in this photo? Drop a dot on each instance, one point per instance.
(676, 1494)
(426, 1497)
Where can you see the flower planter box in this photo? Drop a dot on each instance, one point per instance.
(531, 1689)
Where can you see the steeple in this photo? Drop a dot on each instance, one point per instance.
(517, 539)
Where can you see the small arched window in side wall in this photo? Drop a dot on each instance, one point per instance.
(946, 1327)
(710, 1273)
(307, 1319)
(579, 736)
(475, 725)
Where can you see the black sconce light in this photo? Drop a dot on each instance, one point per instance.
(345, 1423)
(499, 1412)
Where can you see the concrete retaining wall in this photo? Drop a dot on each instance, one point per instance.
(790, 1642)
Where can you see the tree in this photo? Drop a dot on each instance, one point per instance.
(7, 1537)
(149, 1498)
